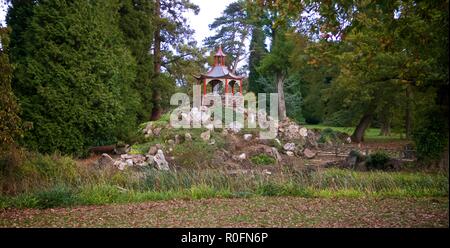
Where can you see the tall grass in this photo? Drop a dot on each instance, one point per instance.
(55, 181)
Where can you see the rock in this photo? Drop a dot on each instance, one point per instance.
(159, 146)
(290, 153)
(120, 165)
(212, 142)
(161, 162)
(311, 139)
(235, 126)
(276, 154)
(196, 115)
(224, 132)
(125, 156)
(348, 140)
(267, 172)
(153, 150)
(149, 159)
(148, 128)
(188, 137)
(303, 132)
(129, 162)
(210, 127)
(205, 135)
(171, 142)
(137, 159)
(243, 156)
(309, 154)
(122, 149)
(105, 161)
(248, 137)
(289, 147)
(149, 134)
(157, 131)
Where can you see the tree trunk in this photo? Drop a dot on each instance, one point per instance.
(358, 134)
(408, 115)
(281, 100)
(385, 118)
(157, 110)
(385, 129)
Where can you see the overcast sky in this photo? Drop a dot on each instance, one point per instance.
(209, 9)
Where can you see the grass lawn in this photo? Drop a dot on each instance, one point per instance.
(372, 134)
(243, 212)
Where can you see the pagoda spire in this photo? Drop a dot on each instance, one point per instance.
(219, 58)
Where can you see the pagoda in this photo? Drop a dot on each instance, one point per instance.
(220, 78)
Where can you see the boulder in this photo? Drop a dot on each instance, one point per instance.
(105, 161)
(161, 162)
(290, 153)
(153, 150)
(289, 147)
(212, 142)
(171, 142)
(248, 137)
(187, 137)
(205, 135)
(309, 154)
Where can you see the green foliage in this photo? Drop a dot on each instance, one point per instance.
(73, 76)
(9, 120)
(262, 159)
(431, 134)
(137, 26)
(377, 161)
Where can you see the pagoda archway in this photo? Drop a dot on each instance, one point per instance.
(220, 79)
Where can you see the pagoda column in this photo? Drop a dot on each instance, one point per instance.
(226, 86)
(204, 87)
(240, 86)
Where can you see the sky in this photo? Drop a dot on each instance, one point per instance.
(209, 9)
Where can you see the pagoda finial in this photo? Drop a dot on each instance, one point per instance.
(220, 52)
(219, 58)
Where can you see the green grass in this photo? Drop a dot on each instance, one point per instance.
(200, 184)
(372, 134)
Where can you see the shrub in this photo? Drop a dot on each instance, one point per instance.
(327, 135)
(262, 159)
(377, 161)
